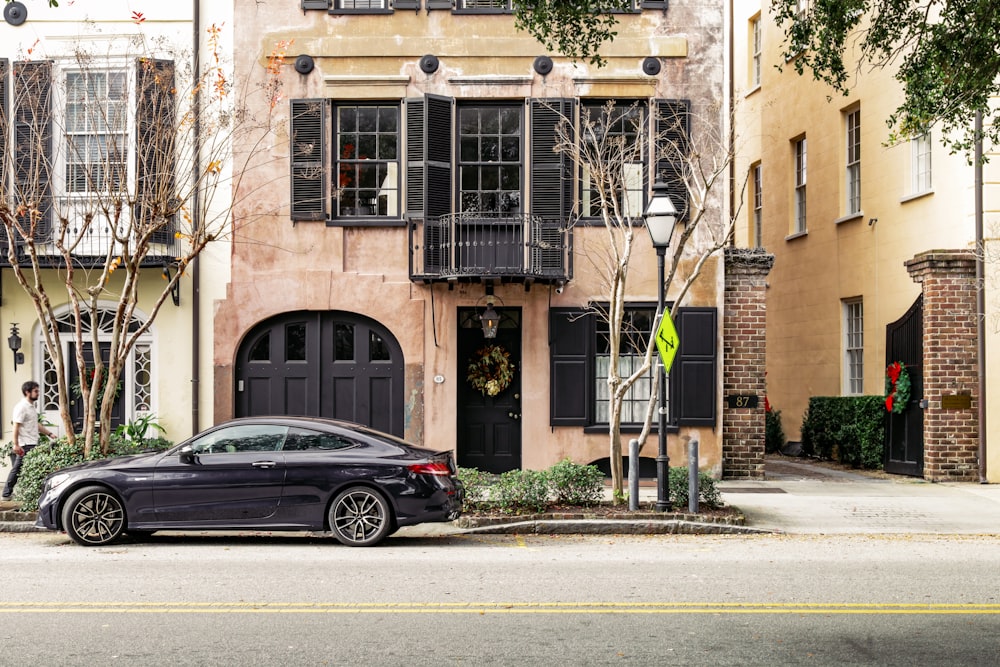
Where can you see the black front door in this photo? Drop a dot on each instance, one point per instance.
(76, 403)
(489, 426)
(323, 364)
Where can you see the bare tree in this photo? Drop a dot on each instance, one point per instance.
(693, 156)
(119, 176)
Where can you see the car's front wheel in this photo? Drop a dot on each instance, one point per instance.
(359, 517)
(93, 516)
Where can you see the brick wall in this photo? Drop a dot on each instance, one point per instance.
(951, 435)
(743, 343)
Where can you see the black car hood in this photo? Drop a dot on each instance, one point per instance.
(129, 461)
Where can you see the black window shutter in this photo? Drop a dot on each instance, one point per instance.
(673, 133)
(308, 159)
(406, 4)
(33, 133)
(315, 4)
(428, 156)
(571, 332)
(439, 119)
(156, 132)
(551, 171)
(693, 377)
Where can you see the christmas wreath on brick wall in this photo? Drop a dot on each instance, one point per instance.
(491, 371)
(897, 387)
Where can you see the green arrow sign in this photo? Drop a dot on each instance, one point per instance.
(667, 341)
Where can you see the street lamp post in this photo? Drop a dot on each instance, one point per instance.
(661, 217)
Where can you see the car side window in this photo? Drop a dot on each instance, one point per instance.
(241, 438)
(304, 440)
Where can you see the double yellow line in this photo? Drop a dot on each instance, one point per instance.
(496, 608)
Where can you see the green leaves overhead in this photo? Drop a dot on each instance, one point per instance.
(945, 53)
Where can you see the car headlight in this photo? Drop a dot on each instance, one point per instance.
(58, 479)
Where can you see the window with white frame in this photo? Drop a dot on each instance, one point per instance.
(853, 160)
(616, 131)
(800, 184)
(854, 346)
(637, 327)
(755, 51)
(96, 148)
(758, 207)
(921, 163)
(367, 161)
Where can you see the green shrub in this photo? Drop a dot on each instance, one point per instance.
(477, 488)
(520, 491)
(576, 484)
(48, 458)
(849, 429)
(774, 434)
(708, 492)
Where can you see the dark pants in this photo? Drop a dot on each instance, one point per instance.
(15, 470)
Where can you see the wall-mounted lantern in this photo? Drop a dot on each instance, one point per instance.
(14, 343)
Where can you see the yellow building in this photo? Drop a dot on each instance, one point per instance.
(73, 91)
(842, 211)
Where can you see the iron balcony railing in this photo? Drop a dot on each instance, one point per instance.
(471, 246)
(89, 244)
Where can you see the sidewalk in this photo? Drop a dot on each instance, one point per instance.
(795, 497)
(804, 498)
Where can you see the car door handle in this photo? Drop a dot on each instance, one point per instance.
(263, 464)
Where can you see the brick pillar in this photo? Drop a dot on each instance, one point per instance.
(743, 348)
(951, 434)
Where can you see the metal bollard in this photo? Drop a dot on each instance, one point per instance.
(693, 475)
(633, 475)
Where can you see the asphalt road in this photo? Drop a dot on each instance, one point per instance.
(502, 600)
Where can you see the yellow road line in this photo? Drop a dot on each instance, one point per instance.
(497, 608)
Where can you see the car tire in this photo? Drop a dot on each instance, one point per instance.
(93, 516)
(359, 517)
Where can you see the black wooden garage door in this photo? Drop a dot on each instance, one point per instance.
(327, 364)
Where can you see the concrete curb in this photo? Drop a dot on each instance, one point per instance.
(615, 526)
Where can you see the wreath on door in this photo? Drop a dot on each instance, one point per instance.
(897, 387)
(491, 370)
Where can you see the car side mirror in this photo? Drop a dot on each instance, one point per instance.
(187, 455)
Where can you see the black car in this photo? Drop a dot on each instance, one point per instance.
(275, 473)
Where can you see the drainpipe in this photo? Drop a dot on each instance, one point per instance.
(196, 216)
(980, 296)
(732, 126)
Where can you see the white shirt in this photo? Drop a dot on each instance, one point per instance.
(26, 415)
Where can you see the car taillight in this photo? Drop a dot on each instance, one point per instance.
(432, 468)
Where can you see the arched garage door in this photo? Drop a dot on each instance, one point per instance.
(326, 364)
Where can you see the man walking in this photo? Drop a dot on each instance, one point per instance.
(26, 428)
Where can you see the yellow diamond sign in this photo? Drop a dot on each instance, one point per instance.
(667, 341)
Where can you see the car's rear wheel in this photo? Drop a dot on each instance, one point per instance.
(93, 516)
(359, 517)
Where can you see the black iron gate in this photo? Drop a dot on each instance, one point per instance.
(904, 433)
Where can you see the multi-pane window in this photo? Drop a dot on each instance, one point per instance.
(637, 326)
(800, 184)
(367, 160)
(361, 4)
(484, 5)
(853, 175)
(489, 159)
(854, 346)
(755, 52)
(921, 163)
(96, 131)
(615, 134)
(758, 207)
